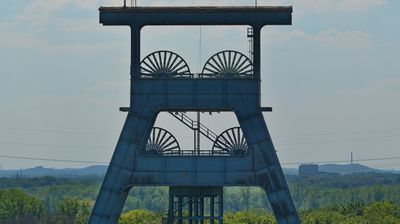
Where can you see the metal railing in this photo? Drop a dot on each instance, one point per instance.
(206, 132)
(191, 152)
(193, 76)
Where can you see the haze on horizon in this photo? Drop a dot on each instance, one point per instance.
(332, 78)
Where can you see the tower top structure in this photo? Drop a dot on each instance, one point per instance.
(162, 82)
(142, 16)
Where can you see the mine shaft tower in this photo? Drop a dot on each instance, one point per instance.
(162, 82)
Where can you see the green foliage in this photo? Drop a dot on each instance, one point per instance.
(322, 216)
(351, 199)
(382, 212)
(140, 217)
(74, 209)
(147, 198)
(352, 208)
(15, 204)
(249, 217)
(355, 213)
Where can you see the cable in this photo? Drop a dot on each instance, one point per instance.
(53, 160)
(57, 131)
(199, 59)
(287, 163)
(337, 133)
(199, 49)
(343, 161)
(54, 145)
(340, 140)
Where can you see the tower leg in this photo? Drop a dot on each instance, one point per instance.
(202, 209)
(180, 210)
(171, 209)
(212, 210)
(117, 182)
(269, 173)
(190, 217)
(221, 209)
(196, 210)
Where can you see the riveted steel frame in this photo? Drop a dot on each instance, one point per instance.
(129, 167)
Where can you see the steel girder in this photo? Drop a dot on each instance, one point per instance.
(129, 167)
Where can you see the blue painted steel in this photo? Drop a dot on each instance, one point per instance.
(142, 16)
(130, 166)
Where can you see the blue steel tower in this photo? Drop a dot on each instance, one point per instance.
(162, 82)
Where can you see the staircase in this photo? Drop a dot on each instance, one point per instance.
(194, 125)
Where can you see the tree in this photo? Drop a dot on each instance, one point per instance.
(382, 212)
(249, 217)
(140, 217)
(15, 204)
(75, 210)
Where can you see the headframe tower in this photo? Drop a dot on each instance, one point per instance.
(162, 82)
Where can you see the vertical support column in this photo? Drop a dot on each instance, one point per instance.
(135, 50)
(180, 213)
(257, 52)
(221, 208)
(202, 209)
(171, 209)
(198, 133)
(135, 57)
(257, 57)
(196, 210)
(190, 209)
(212, 210)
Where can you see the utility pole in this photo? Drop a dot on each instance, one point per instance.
(351, 158)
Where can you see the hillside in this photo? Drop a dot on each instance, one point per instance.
(100, 170)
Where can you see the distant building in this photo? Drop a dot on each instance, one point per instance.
(306, 170)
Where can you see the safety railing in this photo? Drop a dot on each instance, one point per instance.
(193, 76)
(192, 152)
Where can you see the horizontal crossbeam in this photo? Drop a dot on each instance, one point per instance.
(142, 16)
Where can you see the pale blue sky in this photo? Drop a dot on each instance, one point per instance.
(332, 78)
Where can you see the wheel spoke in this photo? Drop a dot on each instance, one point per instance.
(215, 71)
(151, 67)
(161, 141)
(231, 141)
(218, 65)
(236, 66)
(229, 63)
(164, 62)
(174, 68)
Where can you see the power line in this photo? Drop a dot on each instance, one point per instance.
(278, 135)
(344, 161)
(335, 133)
(53, 160)
(55, 145)
(285, 163)
(341, 140)
(56, 131)
(358, 138)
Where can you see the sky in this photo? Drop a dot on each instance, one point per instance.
(332, 78)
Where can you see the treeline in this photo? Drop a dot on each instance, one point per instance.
(61, 200)
(18, 207)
